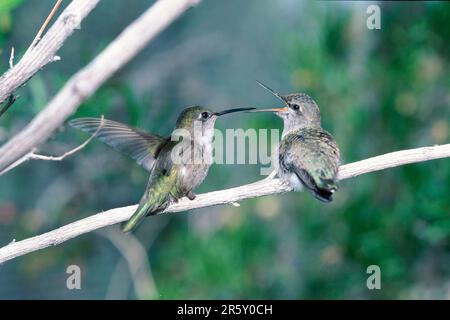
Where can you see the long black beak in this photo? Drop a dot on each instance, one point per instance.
(221, 113)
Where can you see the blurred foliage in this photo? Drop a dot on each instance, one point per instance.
(6, 8)
(379, 91)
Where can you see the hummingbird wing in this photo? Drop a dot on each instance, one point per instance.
(313, 155)
(140, 146)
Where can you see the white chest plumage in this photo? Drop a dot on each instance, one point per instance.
(292, 179)
(194, 171)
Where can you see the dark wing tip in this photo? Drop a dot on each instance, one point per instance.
(323, 195)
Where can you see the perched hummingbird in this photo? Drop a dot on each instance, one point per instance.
(308, 155)
(176, 167)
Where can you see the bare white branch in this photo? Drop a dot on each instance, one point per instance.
(11, 58)
(394, 159)
(44, 25)
(40, 55)
(84, 83)
(19, 161)
(257, 189)
(35, 156)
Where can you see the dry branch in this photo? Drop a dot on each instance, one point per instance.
(32, 155)
(11, 58)
(228, 196)
(38, 36)
(84, 83)
(44, 52)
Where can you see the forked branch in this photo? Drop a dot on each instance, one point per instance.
(40, 53)
(33, 155)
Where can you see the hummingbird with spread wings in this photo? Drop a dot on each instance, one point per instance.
(308, 156)
(176, 166)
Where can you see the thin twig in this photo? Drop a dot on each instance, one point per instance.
(34, 156)
(257, 189)
(38, 36)
(11, 58)
(74, 150)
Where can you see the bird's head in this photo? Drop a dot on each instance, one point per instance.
(299, 109)
(203, 118)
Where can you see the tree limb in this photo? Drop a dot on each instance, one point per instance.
(38, 36)
(32, 155)
(257, 189)
(84, 83)
(44, 52)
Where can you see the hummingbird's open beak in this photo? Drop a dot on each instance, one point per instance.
(278, 110)
(221, 113)
(276, 94)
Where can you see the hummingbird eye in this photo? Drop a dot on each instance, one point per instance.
(296, 107)
(205, 115)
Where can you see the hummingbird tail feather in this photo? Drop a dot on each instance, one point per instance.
(151, 203)
(322, 191)
(136, 218)
(325, 189)
(328, 184)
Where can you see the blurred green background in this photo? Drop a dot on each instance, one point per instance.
(378, 90)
